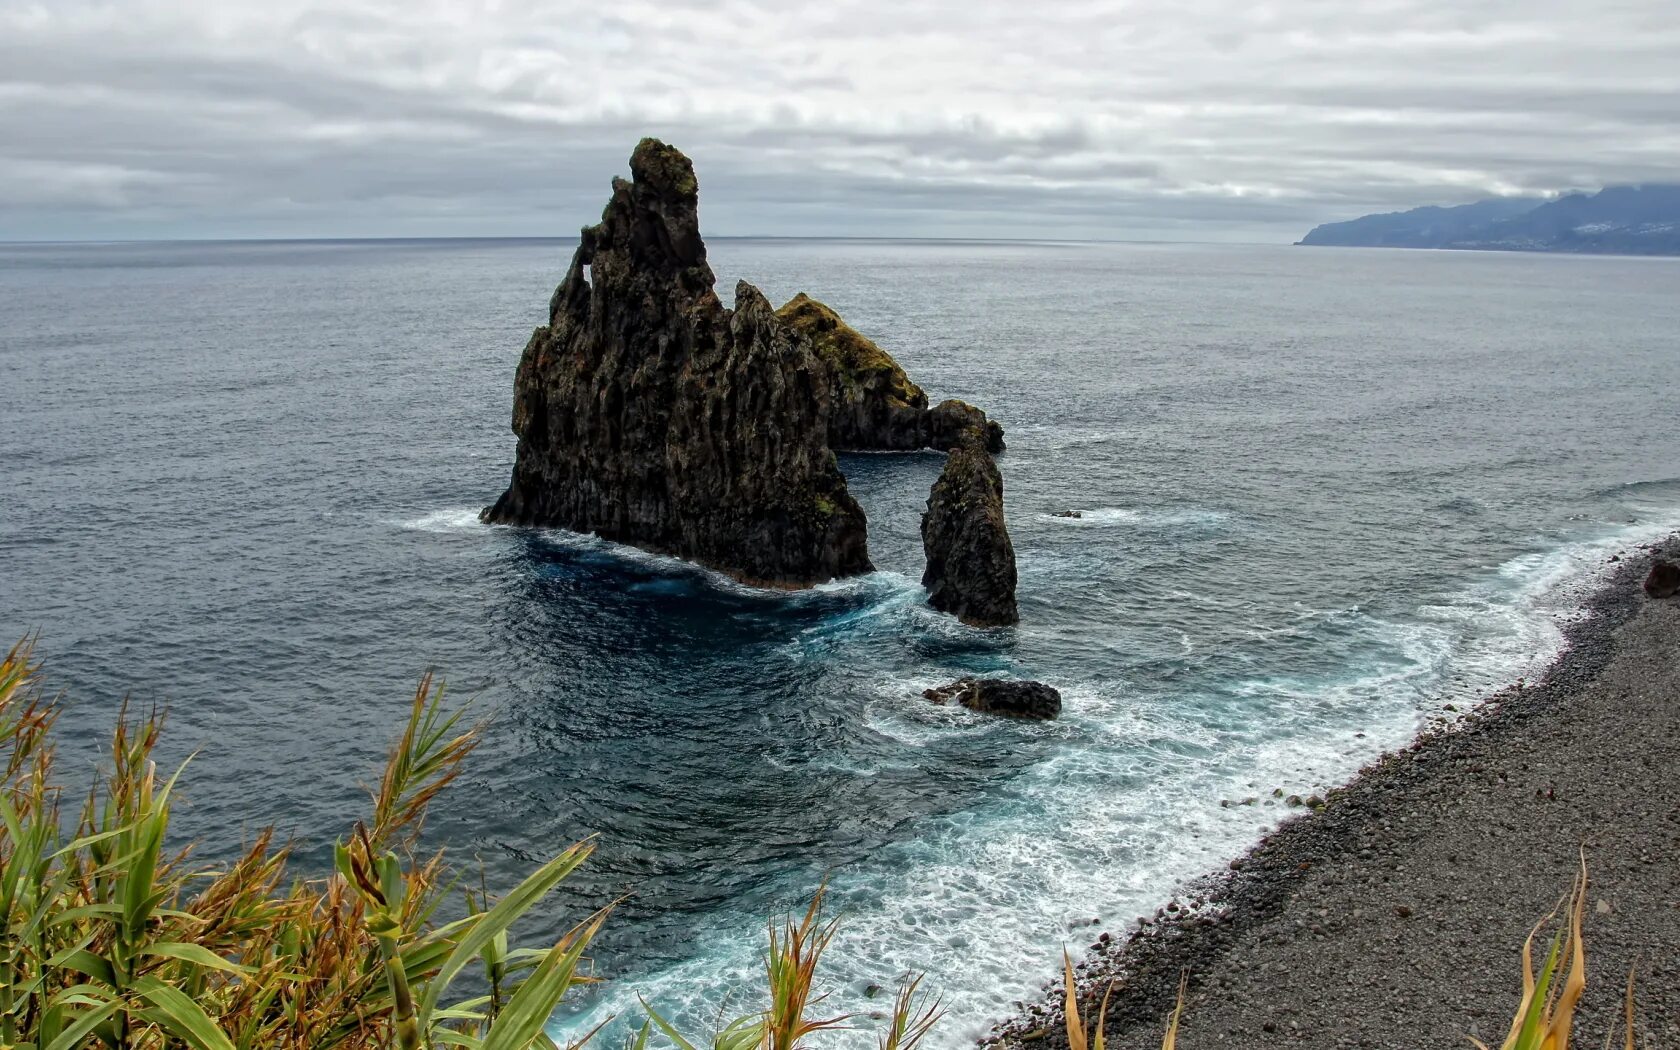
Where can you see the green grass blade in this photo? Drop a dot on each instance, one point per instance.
(172, 1009)
(79, 1029)
(1528, 1037)
(83, 961)
(665, 1026)
(196, 954)
(504, 914)
(521, 1021)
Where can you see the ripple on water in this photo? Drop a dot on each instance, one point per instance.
(1307, 513)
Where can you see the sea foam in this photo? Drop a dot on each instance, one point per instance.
(1133, 802)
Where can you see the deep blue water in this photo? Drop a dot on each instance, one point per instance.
(1324, 493)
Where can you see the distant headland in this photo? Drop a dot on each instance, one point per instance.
(1619, 220)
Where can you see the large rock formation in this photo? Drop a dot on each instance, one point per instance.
(970, 561)
(873, 405)
(649, 414)
(1000, 696)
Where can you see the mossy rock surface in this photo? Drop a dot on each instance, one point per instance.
(855, 358)
(650, 414)
(663, 169)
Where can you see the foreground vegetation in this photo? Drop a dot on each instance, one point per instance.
(110, 939)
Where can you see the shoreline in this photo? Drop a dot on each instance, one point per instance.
(1395, 913)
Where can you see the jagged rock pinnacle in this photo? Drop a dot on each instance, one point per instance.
(649, 414)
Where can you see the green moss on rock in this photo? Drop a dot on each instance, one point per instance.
(664, 168)
(857, 361)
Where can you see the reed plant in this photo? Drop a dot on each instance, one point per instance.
(111, 939)
(796, 949)
(1545, 1016)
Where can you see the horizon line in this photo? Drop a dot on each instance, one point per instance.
(573, 238)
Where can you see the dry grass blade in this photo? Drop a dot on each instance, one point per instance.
(424, 761)
(792, 968)
(1074, 1023)
(1170, 1040)
(1628, 1032)
(108, 937)
(910, 1023)
(1562, 1011)
(1546, 1013)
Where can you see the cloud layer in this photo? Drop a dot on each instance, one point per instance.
(1209, 119)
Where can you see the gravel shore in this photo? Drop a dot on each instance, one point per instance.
(1394, 916)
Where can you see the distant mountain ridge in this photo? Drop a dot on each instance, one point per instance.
(1623, 220)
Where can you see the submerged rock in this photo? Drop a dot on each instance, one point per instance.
(1663, 580)
(650, 414)
(873, 405)
(970, 560)
(997, 696)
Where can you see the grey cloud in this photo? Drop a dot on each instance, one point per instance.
(1199, 118)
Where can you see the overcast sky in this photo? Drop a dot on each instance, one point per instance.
(1195, 119)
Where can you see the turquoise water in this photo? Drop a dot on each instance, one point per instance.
(1324, 493)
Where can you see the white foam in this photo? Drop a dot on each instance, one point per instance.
(452, 519)
(1520, 613)
(1111, 517)
(1128, 807)
(888, 586)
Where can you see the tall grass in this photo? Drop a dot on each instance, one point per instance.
(109, 939)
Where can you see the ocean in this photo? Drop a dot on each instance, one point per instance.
(1325, 496)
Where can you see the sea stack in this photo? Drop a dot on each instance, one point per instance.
(970, 561)
(873, 405)
(649, 414)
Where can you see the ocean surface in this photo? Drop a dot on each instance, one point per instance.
(1323, 493)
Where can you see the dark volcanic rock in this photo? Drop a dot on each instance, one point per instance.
(873, 405)
(952, 423)
(970, 561)
(649, 414)
(996, 696)
(1664, 579)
